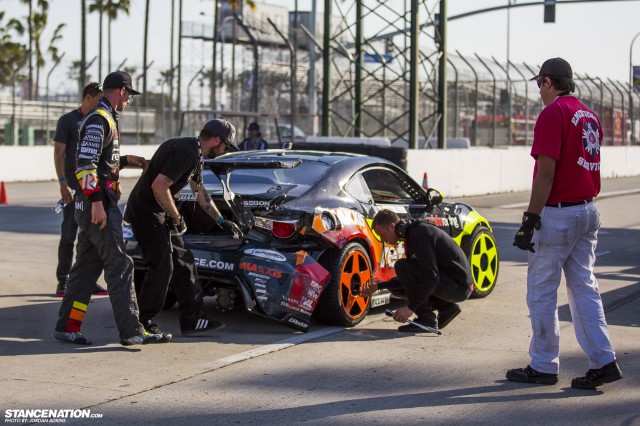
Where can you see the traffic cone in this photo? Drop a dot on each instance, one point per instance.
(3, 194)
(425, 181)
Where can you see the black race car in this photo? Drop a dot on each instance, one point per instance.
(309, 247)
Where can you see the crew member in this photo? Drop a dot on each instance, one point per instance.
(100, 242)
(64, 160)
(434, 276)
(158, 225)
(254, 140)
(566, 178)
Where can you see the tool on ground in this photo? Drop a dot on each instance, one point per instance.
(389, 313)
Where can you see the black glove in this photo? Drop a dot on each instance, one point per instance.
(176, 229)
(231, 228)
(522, 240)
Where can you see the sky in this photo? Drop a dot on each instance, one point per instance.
(595, 37)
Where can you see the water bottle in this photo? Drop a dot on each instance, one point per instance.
(57, 208)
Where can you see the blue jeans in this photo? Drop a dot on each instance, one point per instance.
(566, 242)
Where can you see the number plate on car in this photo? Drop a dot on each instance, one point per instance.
(380, 299)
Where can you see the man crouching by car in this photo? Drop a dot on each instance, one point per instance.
(158, 226)
(434, 275)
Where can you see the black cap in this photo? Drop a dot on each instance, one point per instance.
(254, 126)
(118, 80)
(224, 130)
(556, 67)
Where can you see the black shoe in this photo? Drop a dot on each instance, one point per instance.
(598, 377)
(100, 291)
(529, 375)
(202, 324)
(445, 316)
(62, 285)
(412, 328)
(153, 328)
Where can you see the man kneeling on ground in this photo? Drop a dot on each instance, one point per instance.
(434, 276)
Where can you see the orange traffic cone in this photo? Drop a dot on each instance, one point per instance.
(3, 194)
(425, 181)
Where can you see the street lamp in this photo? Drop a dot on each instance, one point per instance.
(631, 87)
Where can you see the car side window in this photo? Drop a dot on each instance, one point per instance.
(357, 188)
(385, 187)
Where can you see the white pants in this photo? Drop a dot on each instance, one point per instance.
(566, 241)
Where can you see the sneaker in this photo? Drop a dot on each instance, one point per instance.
(598, 377)
(445, 316)
(100, 291)
(142, 339)
(62, 285)
(412, 328)
(154, 329)
(529, 375)
(202, 324)
(72, 337)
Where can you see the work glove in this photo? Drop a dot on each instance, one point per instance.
(522, 240)
(231, 228)
(176, 229)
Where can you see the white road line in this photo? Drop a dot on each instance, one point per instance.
(274, 347)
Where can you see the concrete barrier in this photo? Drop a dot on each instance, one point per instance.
(455, 172)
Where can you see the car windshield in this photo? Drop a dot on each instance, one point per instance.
(260, 181)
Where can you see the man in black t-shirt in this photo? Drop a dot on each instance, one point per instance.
(64, 159)
(158, 226)
(434, 275)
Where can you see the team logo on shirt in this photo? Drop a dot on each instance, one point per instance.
(591, 139)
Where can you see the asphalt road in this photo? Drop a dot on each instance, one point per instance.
(259, 372)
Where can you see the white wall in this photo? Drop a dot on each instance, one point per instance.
(477, 171)
(455, 172)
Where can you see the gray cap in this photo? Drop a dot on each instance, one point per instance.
(224, 130)
(556, 67)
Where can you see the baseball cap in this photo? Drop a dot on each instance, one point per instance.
(224, 130)
(556, 67)
(254, 126)
(117, 80)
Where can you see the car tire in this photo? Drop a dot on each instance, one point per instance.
(340, 303)
(482, 251)
(138, 279)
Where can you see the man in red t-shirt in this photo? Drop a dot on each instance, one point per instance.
(566, 178)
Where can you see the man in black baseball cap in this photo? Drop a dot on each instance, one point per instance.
(117, 80)
(224, 130)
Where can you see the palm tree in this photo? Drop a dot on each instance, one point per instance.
(30, 52)
(38, 25)
(83, 46)
(112, 9)
(98, 6)
(14, 55)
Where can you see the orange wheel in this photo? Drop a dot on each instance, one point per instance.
(341, 303)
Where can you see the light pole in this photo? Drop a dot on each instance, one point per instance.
(631, 88)
(509, 113)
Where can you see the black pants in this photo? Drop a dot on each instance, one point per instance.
(98, 248)
(68, 232)
(169, 261)
(425, 296)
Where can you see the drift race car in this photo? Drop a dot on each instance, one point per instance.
(308, 247)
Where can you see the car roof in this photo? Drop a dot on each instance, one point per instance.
(329, 158)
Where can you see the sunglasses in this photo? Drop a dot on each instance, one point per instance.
(540, 81)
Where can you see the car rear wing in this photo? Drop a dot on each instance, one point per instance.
(222, 168)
